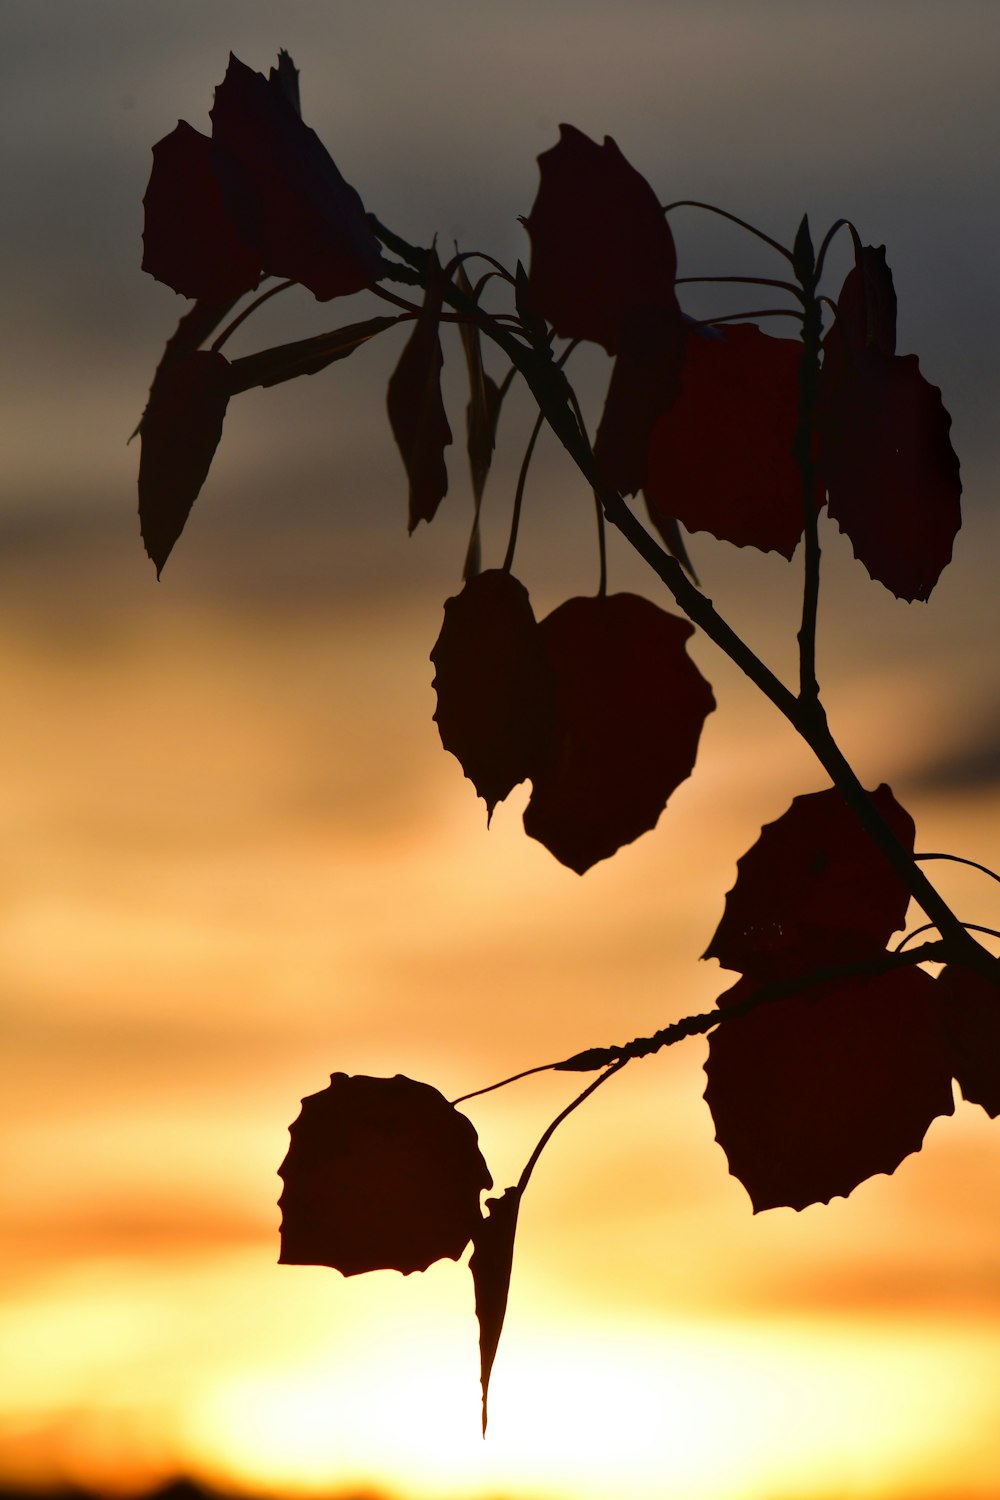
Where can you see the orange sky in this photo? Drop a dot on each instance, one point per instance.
(236, 859)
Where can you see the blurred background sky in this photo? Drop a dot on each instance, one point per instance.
(235, 858)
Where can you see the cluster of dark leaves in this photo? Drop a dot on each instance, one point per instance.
(598, 704)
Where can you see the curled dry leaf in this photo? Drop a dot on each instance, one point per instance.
(720, 459)
(602, 255)
(416, 411)
(283, 191)
(381, 1173)
(813, 890)
(490, 1264)
(629, 710)
(970, 1007)
(493, 685)
(179, 432)
(816, 1092)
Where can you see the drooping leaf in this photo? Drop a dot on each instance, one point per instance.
(416, 411)
(179, 432)
(494, 685)
(284, 192)
(629, 709)
(720, 459)
(971, 1013)
(601, 248)
(304, 357)
(189, 240)
(490, 1264)
(645, 382)
(892, 477)
(483, 409)
(866, 310)
(814, 1093)
(813, 890)
(381, 1173)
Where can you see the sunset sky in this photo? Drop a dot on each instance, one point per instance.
(236, 859)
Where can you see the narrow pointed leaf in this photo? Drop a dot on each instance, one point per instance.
(416, 411)
(490, 1265)
(645, 383)
(493, 685)
(813, 890)
(720, 459)
(814, 1093)
(971, 1014)
(629, 710)
(305, 356)
(179, 433)
(483, 409)
(381, 1173)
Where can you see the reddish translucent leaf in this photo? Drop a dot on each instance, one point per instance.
(493, 685)
(283, 190)
(416, 411)
(814, 1093)
(189, 240)
(490, 1265)
(629, 709)
(645, 382)
(720, 459)
(601, 248)
(180, 431)
(892, 477)
(971, 1013)
(813, 890)
(866, 309)
(381, 1173)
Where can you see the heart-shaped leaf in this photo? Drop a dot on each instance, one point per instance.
(629, 710)
(816, 1092)
(381, 1173)
(601, 248)
(813, 890)
(971, 1012)
(720, 459)
(493, 685)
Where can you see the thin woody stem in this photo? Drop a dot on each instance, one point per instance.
(529, 1166)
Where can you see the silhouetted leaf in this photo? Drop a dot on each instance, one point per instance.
(601, 248)
(179, 431)
(814, 1093)
(484, 400)
(493, 685)
(630, 705)
(305, 356)
(866, 310)
(892, 477)
(971, 1012)
(284, 192)
(189, 241)
(490, 1265)
(645, 382)
(286, 77)
(381, 1173)
(813, 890)
(720, 459)
(416, 412)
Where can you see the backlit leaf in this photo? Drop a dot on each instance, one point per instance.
(284, 192)
(601, 248)
(381, 1173)
(493, 684)
(971, 1013)
(720, 459)
(645, 382)
(189, 240)
(629, 709)
(179, 431)
(814, 1093)
(416, 411)
(813, 890)
(305, 356)
(490, 1265)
